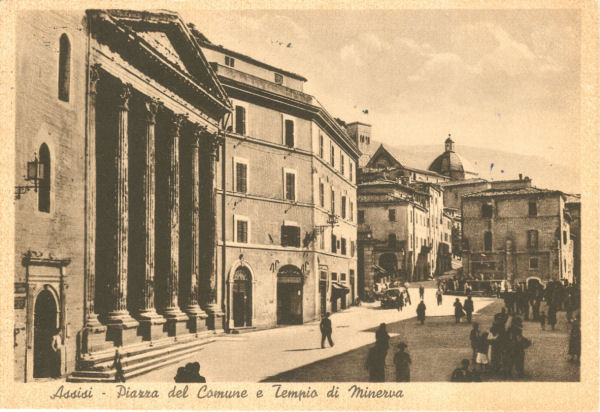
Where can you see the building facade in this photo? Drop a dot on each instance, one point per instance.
(288, 249)
(517, 234)
(115, 246)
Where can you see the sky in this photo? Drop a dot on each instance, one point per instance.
(502, 79)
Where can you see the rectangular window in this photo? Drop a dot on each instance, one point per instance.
(342, 164)
(321, 194)
(487, 241)
(486, 211)
(533, 263)
(321, 146)
(351, 212)
(289, 133)
(241, 231)
(333, 244)
(532, 239)
(334, 276)
(352, 248)
(565, 237)
(392, 215)
(332, 160)
(241, 177)
(343, 207)
(290, 236)
(332, 201)
(240, 120)
(229, 61)
(342, 277)
(278, 78)
(361, 216)
(343, 246)
(290, 186)
(322, 241)
(351, 171)
(532, 209)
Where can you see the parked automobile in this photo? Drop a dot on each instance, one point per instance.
(390, 298)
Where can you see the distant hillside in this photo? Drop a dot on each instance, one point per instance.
(506, 165)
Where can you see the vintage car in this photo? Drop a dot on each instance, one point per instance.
(390, 297)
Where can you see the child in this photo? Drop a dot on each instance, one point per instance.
(543, 320)
(482, 351)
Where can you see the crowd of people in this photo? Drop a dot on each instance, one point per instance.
(190, 373)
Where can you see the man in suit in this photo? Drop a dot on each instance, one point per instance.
(326, 330)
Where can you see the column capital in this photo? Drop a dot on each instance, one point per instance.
(176, 124)
(199, 131)
(94, 77)
(124, 95)
(215, 141)
(152, 106)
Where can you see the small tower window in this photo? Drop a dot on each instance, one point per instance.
(64, 68)
(44, 183)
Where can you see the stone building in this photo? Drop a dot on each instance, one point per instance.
(289, 244)
(118, 128)
(517, 234)
(573, 206)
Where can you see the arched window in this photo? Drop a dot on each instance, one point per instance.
(64, 68)
(44, 182)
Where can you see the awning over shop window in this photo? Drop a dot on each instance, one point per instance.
(339, 288)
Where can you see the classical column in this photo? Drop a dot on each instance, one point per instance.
(121, 324)
(175, 317)
(94, 330)
(196, 314)
(213, 308)
(151, 322)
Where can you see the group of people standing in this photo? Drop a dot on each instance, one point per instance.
(464, 309)
(377, 355)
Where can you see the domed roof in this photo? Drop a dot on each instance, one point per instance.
(452, 164)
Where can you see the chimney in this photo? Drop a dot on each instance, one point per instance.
(520, 176)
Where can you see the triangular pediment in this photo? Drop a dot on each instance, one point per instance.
(161, 43)
(382, 158)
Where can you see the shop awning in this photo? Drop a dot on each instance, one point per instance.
(379, 269)
(339, 288)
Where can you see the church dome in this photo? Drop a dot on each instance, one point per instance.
(452, 164)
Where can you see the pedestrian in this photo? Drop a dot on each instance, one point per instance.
(468, 307)
(119, 374)
(421, 312)
(180, 376)
(493, 352)
(382, 338)
(575, 341)
(402, 363)
(421, 292)
(438, 295)
(407, 295)
(195, 375)
(458, 310)
(463, 373)
(519, 345)
(552, 316)
(57, 348)
(543, 320)
(400, 301)
(376, 363)
(482, 351)
(474, 338)
(326, 330)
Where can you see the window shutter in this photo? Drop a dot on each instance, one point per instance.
(289, 133)
(240, 120)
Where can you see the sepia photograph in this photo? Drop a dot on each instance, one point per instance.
(299, 196)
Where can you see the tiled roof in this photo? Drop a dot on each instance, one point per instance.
(475, 180)
(513, 192)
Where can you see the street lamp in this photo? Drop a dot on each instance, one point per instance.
(36, 171)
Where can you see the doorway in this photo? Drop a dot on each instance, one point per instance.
(323, 296)
(242, 298)
(289, 295)
(46, 362)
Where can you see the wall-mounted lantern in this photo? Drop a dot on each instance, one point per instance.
(36, 171)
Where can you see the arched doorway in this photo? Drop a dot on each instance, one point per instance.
(389, 262)
(46, 362)
(242, 297)
(289, 295)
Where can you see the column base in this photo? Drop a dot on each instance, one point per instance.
(121, 328)
(197, 319)
(151, 324)
(216, 318)
(94, 335)
(176, 321)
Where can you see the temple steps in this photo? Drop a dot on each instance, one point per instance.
(139, 359)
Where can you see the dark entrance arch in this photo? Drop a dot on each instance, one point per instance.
(389, 262)
(289, 295)
(46, 362)
(242, 297)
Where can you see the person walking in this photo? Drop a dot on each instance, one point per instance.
(400, 301)
(376, 363)
(519, 345)
(552, 316)
(381, 337)
(421, 312)
(543, 320)
(468, 307)
(575, 341)
(402, 362)
(474, 338)
(119, 373)
(326, 330)
(458, 310)
(482, 351)
(407, 295)
(421, 292)
(438, 295)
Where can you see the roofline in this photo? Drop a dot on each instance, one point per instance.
(249, 59)
(357, 122)
(516, 192)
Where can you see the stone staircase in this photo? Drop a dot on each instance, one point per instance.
(140, 358)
